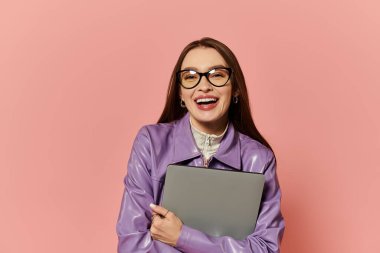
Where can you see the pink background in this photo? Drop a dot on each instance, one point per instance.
(79, 78)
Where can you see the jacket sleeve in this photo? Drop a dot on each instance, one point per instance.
(268, 232)
(135, 216)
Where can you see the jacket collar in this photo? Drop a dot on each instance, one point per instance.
(185, 147)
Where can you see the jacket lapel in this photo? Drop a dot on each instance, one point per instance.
(229, 149)
(184, 143)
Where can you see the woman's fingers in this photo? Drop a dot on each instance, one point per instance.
(166, 226)
(155, 215)
(159, 209)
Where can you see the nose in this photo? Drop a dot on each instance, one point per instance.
(204, 84)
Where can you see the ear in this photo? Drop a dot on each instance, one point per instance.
(236, 93)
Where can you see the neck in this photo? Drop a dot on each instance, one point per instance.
(210, 128)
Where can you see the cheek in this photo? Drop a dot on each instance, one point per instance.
(182, 93)
(186, 94)
(227, 94)
(226, 104)
(226, 100)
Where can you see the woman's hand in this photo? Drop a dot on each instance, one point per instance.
(166, 226)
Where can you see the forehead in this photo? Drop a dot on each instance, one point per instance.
(202, 59)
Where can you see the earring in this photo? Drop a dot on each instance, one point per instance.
(235, 99)
(182, 103)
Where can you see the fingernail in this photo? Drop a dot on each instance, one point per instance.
(152, 205)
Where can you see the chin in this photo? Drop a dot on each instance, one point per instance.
(208, 117)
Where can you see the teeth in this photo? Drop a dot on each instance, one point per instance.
(205, 100)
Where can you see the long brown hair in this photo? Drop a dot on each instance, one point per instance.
(239, 113)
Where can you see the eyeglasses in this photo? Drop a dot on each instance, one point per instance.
(190, 78)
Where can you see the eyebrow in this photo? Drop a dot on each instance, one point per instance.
(210, 68)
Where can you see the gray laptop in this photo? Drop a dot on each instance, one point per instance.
(217, 202)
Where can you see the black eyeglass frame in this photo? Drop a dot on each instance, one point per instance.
(206, 74)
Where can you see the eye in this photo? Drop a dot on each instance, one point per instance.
(189, 77)
(218, 73)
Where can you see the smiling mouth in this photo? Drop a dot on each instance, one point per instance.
(206, 101)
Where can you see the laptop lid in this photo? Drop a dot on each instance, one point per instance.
(217, 202)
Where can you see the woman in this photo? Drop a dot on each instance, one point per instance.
(206, 122)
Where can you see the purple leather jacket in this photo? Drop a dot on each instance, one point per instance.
(158, 145)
